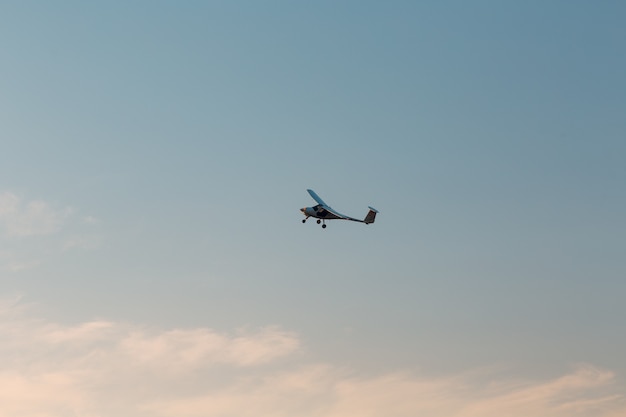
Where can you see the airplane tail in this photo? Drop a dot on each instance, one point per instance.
(371, 216)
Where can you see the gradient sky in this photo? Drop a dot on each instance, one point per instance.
(154, 156)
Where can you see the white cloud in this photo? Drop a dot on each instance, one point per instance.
(111, 369)
(13, 263)
(90, 220)
(32, 231)
(31, 218)
(80, 242)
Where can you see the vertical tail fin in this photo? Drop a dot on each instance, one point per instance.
(371, 216)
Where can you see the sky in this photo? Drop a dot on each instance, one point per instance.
(154, 156)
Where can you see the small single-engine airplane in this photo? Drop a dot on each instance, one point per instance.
(323, 212)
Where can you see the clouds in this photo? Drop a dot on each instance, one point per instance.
(186, 350)
(33, 229)
(580, 392)
(47, 367)
(20, 219)
(106, 368)
(325, 391)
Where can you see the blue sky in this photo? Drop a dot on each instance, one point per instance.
(155, 155)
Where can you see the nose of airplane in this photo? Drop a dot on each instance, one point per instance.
(303, 209)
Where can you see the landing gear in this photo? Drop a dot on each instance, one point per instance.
(318, 222)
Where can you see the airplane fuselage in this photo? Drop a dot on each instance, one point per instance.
(319, 213)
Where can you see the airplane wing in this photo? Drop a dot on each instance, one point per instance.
(317, 198)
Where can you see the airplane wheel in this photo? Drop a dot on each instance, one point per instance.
(323, 226)
(318, 221)
(303, 220)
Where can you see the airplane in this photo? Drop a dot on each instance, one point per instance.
(323, 212)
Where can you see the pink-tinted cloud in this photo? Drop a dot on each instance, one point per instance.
(112, 369)
(322, 391)
(586, 391)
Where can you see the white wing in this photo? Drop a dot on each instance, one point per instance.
(317, 198)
